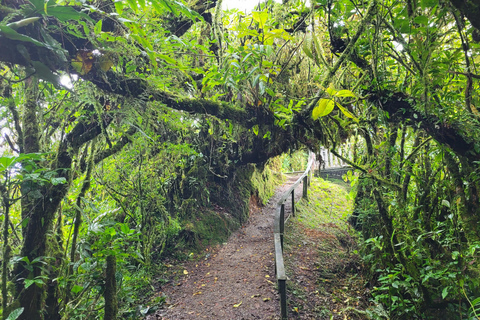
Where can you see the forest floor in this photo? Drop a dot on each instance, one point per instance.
(236, 280)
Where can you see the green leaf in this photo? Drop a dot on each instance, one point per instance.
(270, 92)
(446, 203)
(119, 6)
(331, 91)
(110, 231)
(444, 292)
(260, 17)
(421, 20)
(125, 228)
(344, 94)
(15, 314)
(44, 73)
(255, 129)
(133, 5)
(64, 13)
(29, 282)
(56, 181)
(176, 8)
(6, 162)
(98, 27)
(77, 289)
(324, 107)
(346, 112)
(14, 35)
(167, 59)
(306, 48)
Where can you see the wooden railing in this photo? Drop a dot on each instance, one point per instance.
(279, 229)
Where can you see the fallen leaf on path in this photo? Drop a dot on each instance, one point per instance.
(267, 276)
(255, 296)
(199, 292)
(185, 272)
(266, 299)
(237, 305)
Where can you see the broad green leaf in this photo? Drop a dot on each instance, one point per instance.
(77, 289)
(125, 228)
(119, 6)
(318, 49)
(44, 72)
(15, 314)
(446, 203)
(306, 48)
(260, 17)
(110, 231)
(14, 35)
(29, 282)
(64, 13)
(98, 27)
(6, 162)
(421, 20)
(176, 8)
(56, 181)
(270, 92)
(344, 93)
(324, 107)
(247, 32)
(402, 25)
(133, 5)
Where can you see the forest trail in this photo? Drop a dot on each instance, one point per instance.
(235, 280)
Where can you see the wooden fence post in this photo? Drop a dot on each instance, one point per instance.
(293, 202)
(305, 187)
(282, 223)
(282, 288)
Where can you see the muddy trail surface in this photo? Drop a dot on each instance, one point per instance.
(235, 280)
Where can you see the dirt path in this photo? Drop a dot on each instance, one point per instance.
(236, 280)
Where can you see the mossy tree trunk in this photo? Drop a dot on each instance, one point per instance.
(110, 294)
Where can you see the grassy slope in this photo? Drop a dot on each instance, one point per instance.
(322, 264)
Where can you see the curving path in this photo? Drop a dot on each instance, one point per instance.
(237, 280)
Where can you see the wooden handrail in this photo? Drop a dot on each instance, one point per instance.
(279, 229)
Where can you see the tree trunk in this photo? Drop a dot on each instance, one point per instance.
(110, 295)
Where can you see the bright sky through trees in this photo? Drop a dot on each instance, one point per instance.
(242, 5)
